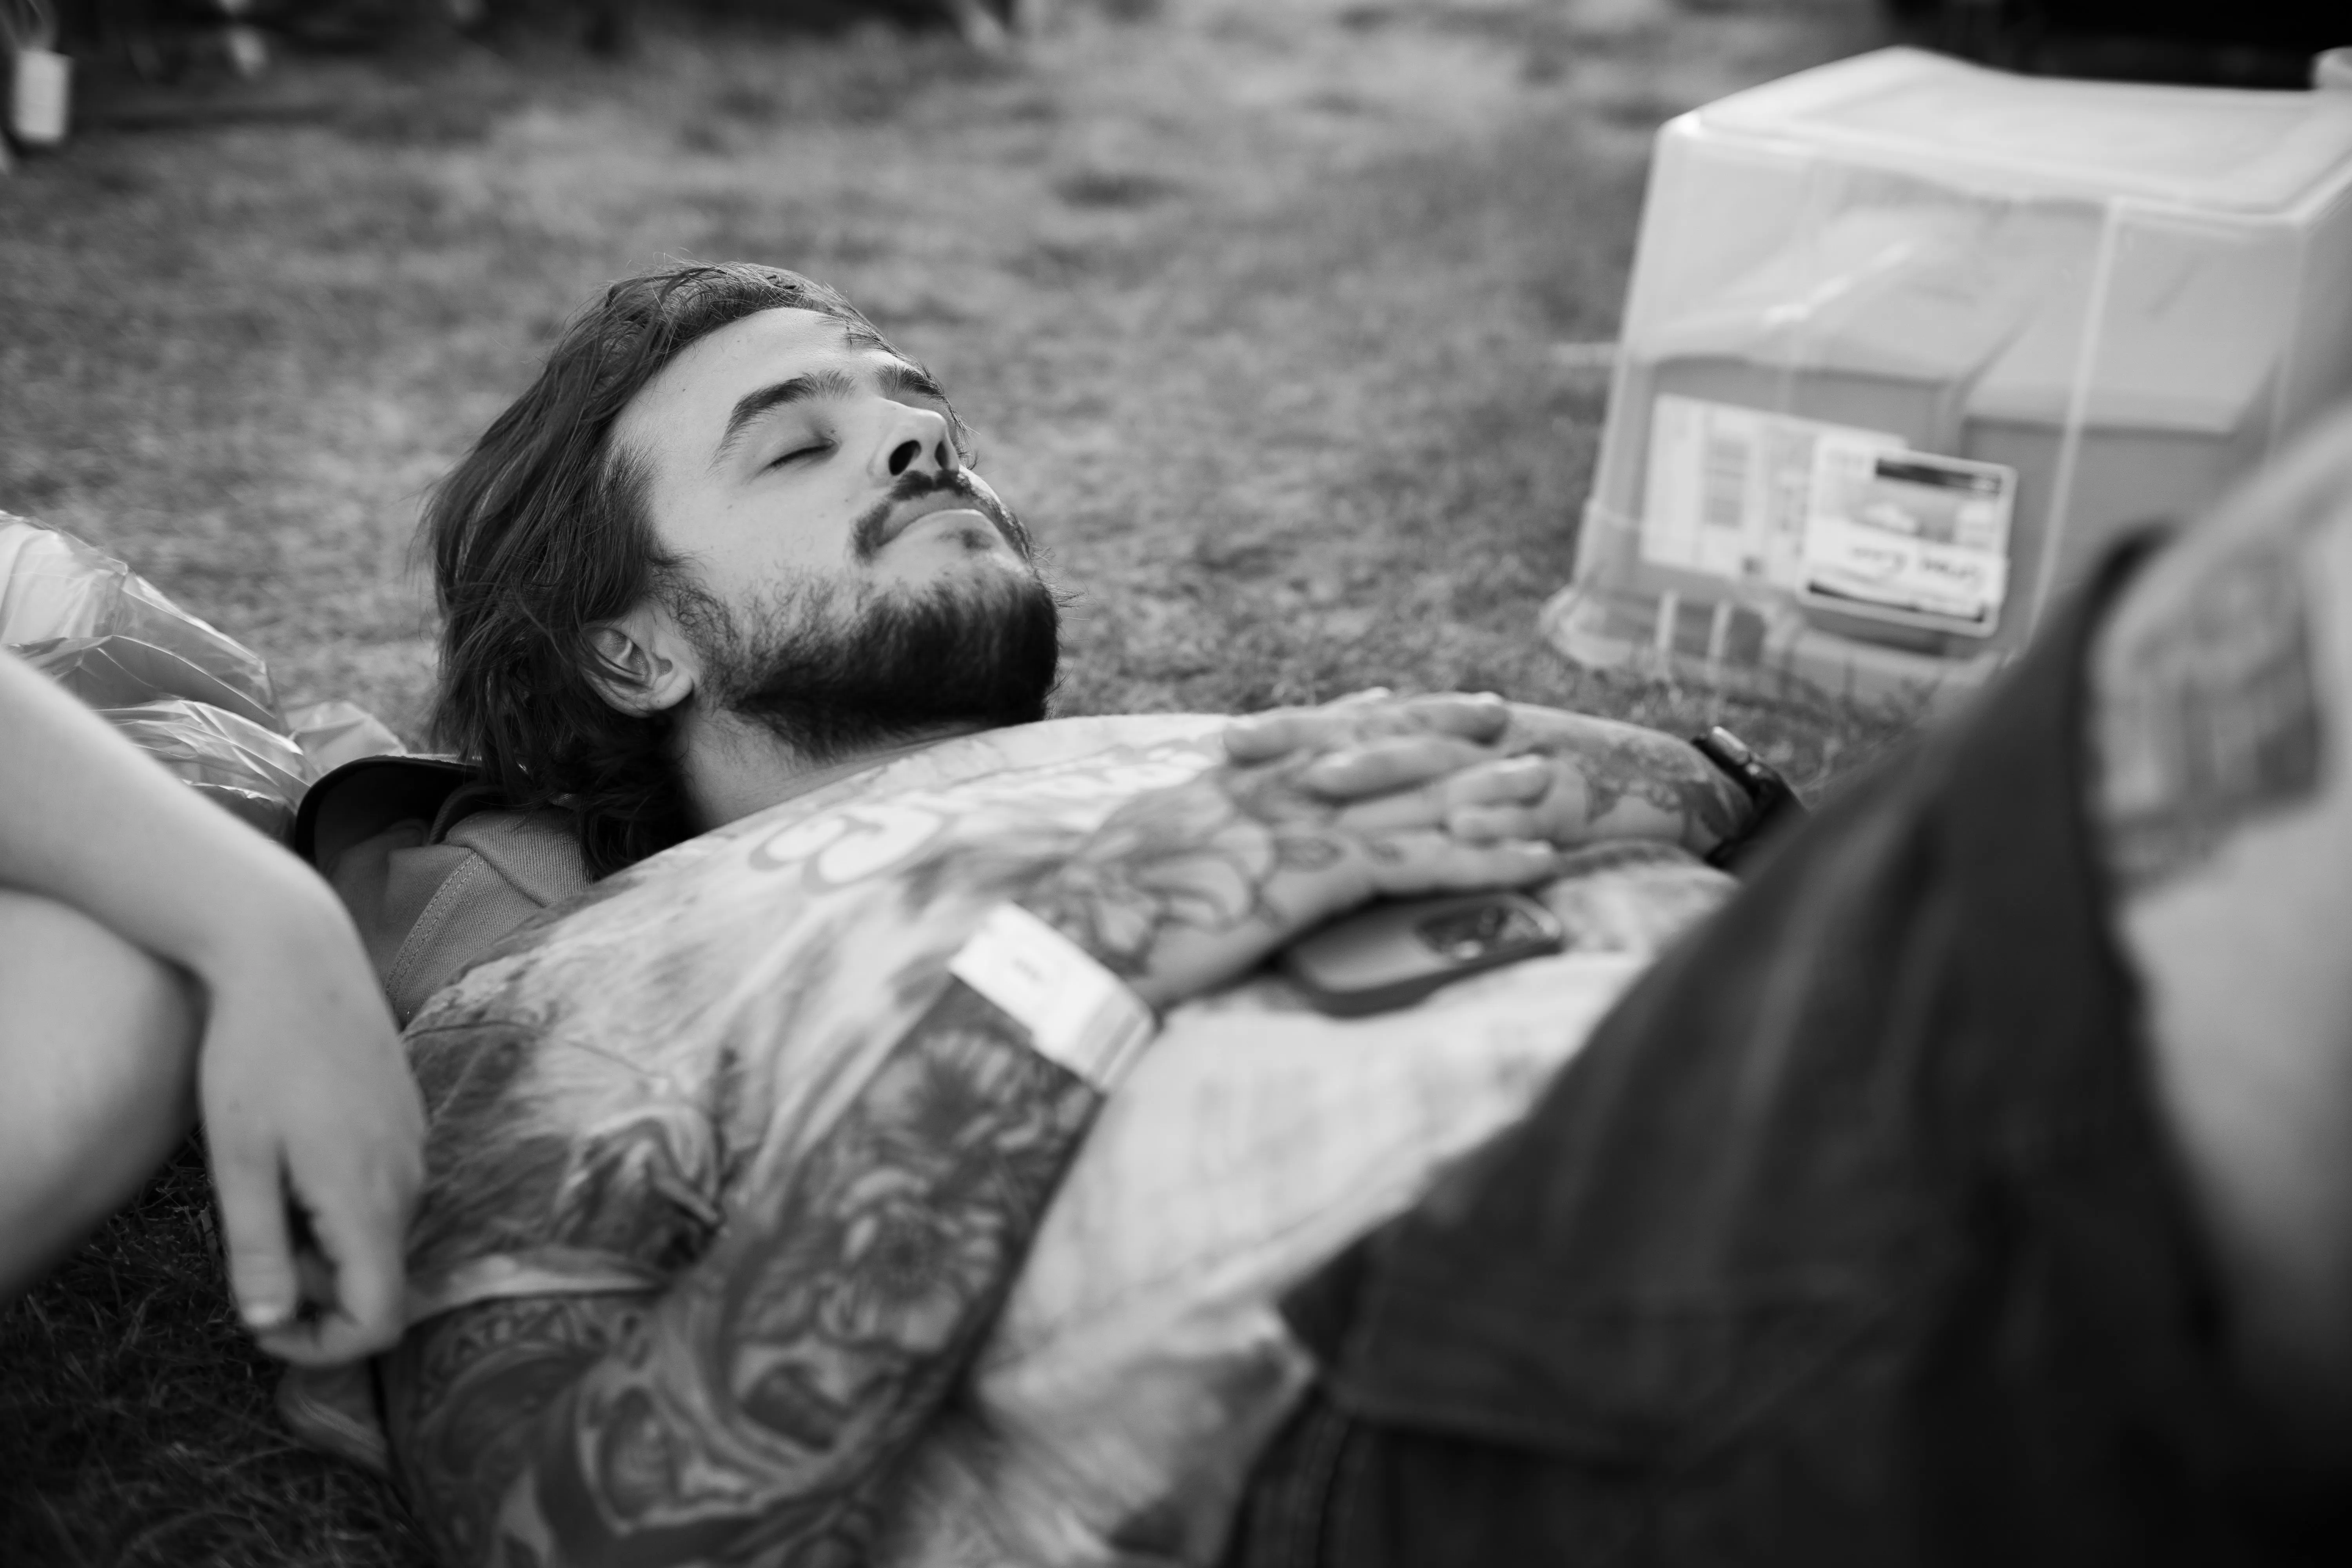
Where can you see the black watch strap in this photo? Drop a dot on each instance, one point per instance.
(1775, 803)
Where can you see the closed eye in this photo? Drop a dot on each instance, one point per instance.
(813, 449)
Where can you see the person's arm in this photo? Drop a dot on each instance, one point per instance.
(304, 1095)
(1608, 780)
(754, 1409)
(2220, 717)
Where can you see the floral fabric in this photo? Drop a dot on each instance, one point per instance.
(608, 1080)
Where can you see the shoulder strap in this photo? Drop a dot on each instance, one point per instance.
(361, 798)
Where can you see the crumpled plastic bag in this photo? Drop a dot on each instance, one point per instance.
(192, 696)
(334, 732)
(54, 585)
(123, 672)
(254, 773)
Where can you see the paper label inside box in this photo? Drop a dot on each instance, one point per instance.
(1912, 538)
(1732, 490)
(1840, 515)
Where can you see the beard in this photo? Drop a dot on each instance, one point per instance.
(833, 669)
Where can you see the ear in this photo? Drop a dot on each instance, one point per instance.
(643, 664)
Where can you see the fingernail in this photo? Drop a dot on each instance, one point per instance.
(262, 1317)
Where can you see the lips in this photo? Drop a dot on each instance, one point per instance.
(914, 512)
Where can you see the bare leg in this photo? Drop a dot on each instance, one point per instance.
(98, 1046)
(2221, 727)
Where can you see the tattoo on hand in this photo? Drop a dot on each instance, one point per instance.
(1198, 857)
(2213, 718)
(1654, 771)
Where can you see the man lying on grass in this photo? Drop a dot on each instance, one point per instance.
(732, 1165)
(726, 549)
(909, 1169)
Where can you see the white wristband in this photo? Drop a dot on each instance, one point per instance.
(1078, 1013)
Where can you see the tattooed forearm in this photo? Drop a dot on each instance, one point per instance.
(464, 1395)
(749, 1413)
(2212, 718)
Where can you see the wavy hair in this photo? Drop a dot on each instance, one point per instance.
(541, 533)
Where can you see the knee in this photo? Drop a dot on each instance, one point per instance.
(98, 1042)
(86, 1011)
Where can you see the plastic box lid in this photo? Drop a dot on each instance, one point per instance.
(2215, 149)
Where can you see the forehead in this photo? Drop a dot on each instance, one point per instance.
(692, 396)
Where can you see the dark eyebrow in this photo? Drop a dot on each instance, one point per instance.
(900, 377)
(750, 407)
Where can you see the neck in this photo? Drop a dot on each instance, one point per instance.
(734, 768)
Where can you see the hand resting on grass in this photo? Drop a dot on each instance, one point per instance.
(118, 882)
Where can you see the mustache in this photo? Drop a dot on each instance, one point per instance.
(865, 535)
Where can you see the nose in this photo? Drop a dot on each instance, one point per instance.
(915, 440)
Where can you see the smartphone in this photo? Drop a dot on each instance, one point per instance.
(1397, 952)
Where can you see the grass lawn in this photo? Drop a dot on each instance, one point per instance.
(1253, 302)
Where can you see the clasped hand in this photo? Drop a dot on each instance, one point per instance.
(1314, 812)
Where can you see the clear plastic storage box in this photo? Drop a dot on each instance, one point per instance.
(1909, 342)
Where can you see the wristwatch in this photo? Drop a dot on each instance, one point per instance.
(1768, 792)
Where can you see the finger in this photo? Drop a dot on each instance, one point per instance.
(1490, 823)
(1363, 717)
(1261, 737)
(1279, 731)
(360, 1203)
(1479, 716)
(246, 1178)
(1369, 694)
(1471, 772)
(1395, 762)
(1517, 781)
(368, 1288)
(353, 1278)
(298, 1339)
(1471, 715)
(1434, 862)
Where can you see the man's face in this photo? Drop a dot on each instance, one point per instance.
(844, 577)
